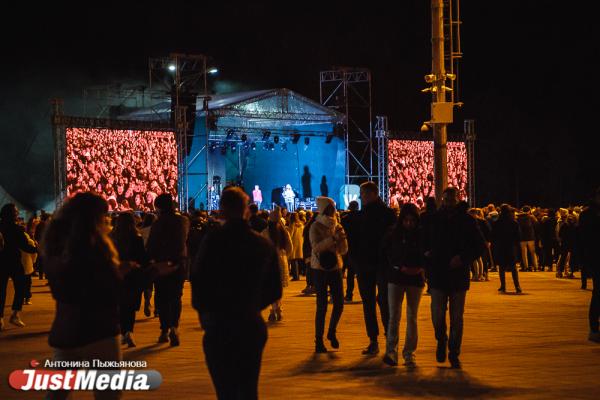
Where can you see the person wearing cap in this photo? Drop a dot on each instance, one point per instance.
(328, 244)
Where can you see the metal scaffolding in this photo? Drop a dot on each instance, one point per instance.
(59, 138)
(381, 134)
(185, 78)
(470, 137)
(348, 91)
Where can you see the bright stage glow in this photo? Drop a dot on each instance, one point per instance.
(213, 71)
(128, 168)
(410, 170)
(172, 67)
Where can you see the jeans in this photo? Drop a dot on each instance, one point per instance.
(167, 297)
(515, 276)
(528, 246)
(108, 349)
(372, 285)
(233, 352)
(323, 280)
(396, 295)
(594, 314)
(439, 305)
(18, 278)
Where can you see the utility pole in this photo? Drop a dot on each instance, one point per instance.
(440, 134)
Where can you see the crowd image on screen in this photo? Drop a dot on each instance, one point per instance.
(410, 170)
(129, 168)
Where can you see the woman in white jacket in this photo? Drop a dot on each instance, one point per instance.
(328, 242)
(296, 231)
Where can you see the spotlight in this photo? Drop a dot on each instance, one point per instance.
(172, 67)
(213, 70)
(244, 137)
(276, 139)
(425, 127)
(306, 141)
(266, 135)
(295, 138)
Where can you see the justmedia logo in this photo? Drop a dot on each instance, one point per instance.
(44, 380)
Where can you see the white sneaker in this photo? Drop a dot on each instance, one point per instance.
(16, 320)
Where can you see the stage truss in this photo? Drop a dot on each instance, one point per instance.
(348, 91)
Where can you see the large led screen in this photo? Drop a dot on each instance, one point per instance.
(128, 167)
(410, 170)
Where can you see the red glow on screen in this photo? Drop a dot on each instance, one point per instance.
(410, 170)
(128, 167)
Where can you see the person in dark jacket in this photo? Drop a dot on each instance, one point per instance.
(256, 222)
(404, 257)
(527, 228)
(425, 221)
(130, 247)
(234, 277)
(567, 236)
(167, 243)
(549, 240)
(589, 253)
(505, 239)
(349, 221)
(15, 241)
(454, 243)
(374, 221)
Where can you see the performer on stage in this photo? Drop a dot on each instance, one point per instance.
(288, 197)
(257, 196)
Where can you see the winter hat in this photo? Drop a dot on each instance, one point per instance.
(323, 202)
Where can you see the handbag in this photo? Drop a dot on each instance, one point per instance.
(327, 260)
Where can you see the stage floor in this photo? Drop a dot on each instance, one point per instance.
(532, 346)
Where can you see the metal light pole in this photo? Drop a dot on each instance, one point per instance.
(440, 163)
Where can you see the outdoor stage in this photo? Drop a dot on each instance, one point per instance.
(532, 346)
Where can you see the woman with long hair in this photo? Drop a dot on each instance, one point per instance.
(130, 247)
(85, 277)
(404, 255)
(328, 245)
(280, 238)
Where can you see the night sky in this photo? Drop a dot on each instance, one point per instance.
(527, 76)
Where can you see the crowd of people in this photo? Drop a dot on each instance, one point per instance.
(102, 266)
(410, 171)
(128, 168)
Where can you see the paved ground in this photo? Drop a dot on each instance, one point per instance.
(531, 346)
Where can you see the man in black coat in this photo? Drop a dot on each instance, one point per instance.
(454, 243)
(589, 251)
(365, 253)
(15, 241)
(505, 239)
(234, 277)
(167, 243)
